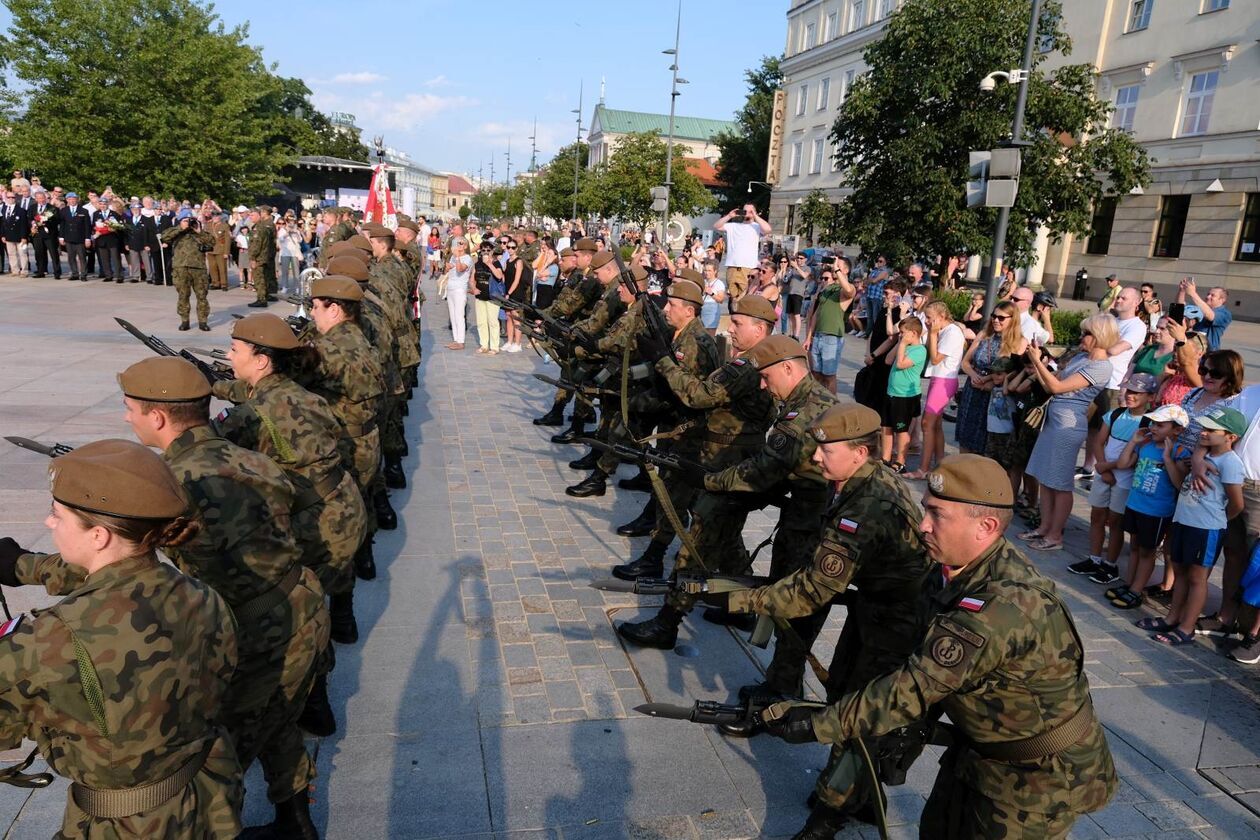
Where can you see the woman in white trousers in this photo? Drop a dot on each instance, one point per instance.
(458, 279)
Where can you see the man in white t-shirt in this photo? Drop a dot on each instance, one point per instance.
(743, 229)
(1033, 328)
(1132, 337)
(422, 236)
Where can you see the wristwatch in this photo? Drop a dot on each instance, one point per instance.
(1179, 344)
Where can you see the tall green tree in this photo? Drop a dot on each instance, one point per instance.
(144, 95)
(744, 153)
(816, 215)
(623, 188)
(555, 183)
(907, 125)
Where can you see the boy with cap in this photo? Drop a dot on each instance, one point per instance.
(1002, 658)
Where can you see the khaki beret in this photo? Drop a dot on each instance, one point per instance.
(339, 247)
(601, 259)
(847, 421)
(755, 306)
(117, 478)
(568, 252)
(164, 379)
(686, 290)
(585, 244)
(348, 266)
(265, 330)
(972, 480)
(638, 273)
(361, 242)
(692, 275)
(375, 231)
(409, 225)
(775, 349)
(336, 287)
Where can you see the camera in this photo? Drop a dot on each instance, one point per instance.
(739, 215)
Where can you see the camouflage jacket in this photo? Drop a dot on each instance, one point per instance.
(262, 240)
(348, 377)
(335, 234)
(870, 539)
(623, 332)
(785, 461)
(695, 352)
(737, 409)
(387, 279)
(1004, 661)
(577, 295)
(528, 251)
(379, 334)
(412, 257)
(162, 647)
(606, 310)
(186, 252)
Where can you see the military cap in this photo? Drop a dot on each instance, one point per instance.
(686, 290)
(775, 349)
(164, 379)
(348, 266)
(117, 478)
(336, 287)
(361, 242)
(568, 252)
(692, 275)
(340, 249)
(585, 244)
(409, 225)
(375, 231)
(971, 480)
(847, 421)
(264, 209)
(265, 330)
(638, 274)
(601, 259)
(755, 306)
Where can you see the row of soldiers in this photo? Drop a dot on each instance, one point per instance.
(943, 615)
(153, 687)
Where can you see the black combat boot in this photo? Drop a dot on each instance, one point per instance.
(644, 523)
(595, 484)
(554, 417)
(292, 822)
(201, 325)
(576, 430)
(589, 461)
(739, 621)
(183, 326)
(317, 718)
(344, 629)
(659, 631)
(823, 823)
(395, 478)
(406, 450)
(765, 693)
(651, 563)
(640, 482)
(386, 517)
(364, 562)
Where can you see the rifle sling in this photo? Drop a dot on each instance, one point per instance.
(269, 599)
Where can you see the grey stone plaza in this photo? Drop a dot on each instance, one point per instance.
(489, 696)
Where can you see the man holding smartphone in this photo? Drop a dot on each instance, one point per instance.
(743, 229)
(1216, 315)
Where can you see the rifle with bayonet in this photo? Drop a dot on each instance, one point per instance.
(216, 373)
(694, 584)
(588, 390)
(56, 450)
(648, 455)
(712, 712)
(555, 328)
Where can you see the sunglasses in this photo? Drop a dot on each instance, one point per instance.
(1207, 370)
(997, 317)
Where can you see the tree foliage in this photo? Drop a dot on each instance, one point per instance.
(907, 125)
(622, 189)
(555, 183)
(745, 152)
(815, 215)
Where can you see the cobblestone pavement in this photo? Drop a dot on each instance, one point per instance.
(490, 697)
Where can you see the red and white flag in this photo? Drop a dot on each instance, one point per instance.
(380, 201)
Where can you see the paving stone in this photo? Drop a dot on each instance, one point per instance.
(1171, 815)
(1123, 820)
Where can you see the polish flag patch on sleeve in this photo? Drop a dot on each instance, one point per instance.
(971, 604)
(9, 626)
(848, 526)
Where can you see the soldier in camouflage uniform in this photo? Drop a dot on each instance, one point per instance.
(188, 267)
(340, 228)
(576, 299)
(262, 256)
(295, 428)
(529, 247)
(120, 683)
(245, 551)
(1002, 658)
(737, 413)
(387, 277)
(782, 470)
(412, 255)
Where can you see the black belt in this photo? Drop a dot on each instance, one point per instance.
(1065, 735)
(265, 602)
(120, 803)
(319, 490)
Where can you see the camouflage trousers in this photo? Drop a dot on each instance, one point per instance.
(264, 277)
(392, 441)
(196, 281)
(955, 811)
(269, 692)
(793, 549)
(573, 371)
(329, 534)
(717, 530)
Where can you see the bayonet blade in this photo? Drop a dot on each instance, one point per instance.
(666, 710)
(33, 446)
(613, 585)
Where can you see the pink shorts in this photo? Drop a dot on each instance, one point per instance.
(941, 390)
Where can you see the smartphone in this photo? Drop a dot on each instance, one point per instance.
(1177, 312)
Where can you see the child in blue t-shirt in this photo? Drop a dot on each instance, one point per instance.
(1198, 529)
(1159, 464)
(905, 393)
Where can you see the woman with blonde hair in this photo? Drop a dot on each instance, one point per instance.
(1064, 429)
(1000, 337)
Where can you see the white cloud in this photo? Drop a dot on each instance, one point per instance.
(438, 81)
(363, 77)
(394, 113)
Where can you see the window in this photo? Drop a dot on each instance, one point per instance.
(1126, 107)
(807, 40)
(794, 166)
(1215, 5)
(857, 14)
(802, 96)
(1046, 41)
(849, 75)
(833, 26)
(1100, 225)
(1172, 226)
(835, 157)
(824, 93)
(1249, 242)
(815, 165)
(1139, 15)
(886, 8)
(1198, 112)
(791, 219)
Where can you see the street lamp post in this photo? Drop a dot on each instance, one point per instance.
(669, 144)
(1017, 140)
(577, 152)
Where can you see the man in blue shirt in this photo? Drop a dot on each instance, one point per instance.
(875, 281)
(1216, 315)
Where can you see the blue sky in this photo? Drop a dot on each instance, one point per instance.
(451, 89)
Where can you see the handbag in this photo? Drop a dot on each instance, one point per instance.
(1035, 416)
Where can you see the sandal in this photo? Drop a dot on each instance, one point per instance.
(1174, 637)
(1044, 544)
(1157, 593)
(916, 475)
(1153, 624)
(1128, 600)
(897, 467)
(1116, 592)
(1033, 534)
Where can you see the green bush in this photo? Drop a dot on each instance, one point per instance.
(627, 251)
(1067, 326)
(958, 301)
